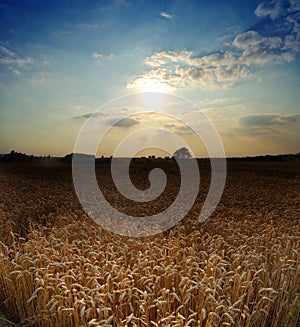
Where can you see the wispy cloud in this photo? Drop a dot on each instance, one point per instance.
(179, 128)
(109, 119)
(166, 15)
(5, 52)
(8, 57)
(247, 52)
(123, 123)
(89, 26)
(268, 120)
(15, 71)
(220, 102)
(86, 116)
(260, 120)
(96, 55)
(265, 9)
(269, 126)
(37, 81)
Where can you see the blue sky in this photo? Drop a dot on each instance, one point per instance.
(237, 61)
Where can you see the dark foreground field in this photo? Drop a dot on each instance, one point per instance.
(238, 268)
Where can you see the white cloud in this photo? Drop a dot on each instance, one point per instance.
(8, 57)
(252, 39)
(267, 8)
(166, 15)
(277, 8)
(177, 69)
(87, 26)
(162, 57)
(222, 69)
(96, 55)
(16, 72)
(157, 80)
(292, 41)
(6, 52)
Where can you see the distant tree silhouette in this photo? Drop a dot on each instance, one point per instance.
(182, 153)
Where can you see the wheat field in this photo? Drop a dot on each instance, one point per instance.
(238, 268)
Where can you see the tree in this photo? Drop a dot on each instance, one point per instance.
(182, 153)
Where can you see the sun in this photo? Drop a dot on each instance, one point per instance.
(152, 92)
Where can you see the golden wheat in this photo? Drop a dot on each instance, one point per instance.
(239, 268)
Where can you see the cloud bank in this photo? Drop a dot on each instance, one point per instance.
(269, 120)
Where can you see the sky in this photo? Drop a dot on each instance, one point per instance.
(237, 62)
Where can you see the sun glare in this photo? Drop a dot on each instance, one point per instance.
(152, 100)
(153, 85)
(153, 92)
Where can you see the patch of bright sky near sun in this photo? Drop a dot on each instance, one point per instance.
(237, 61)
